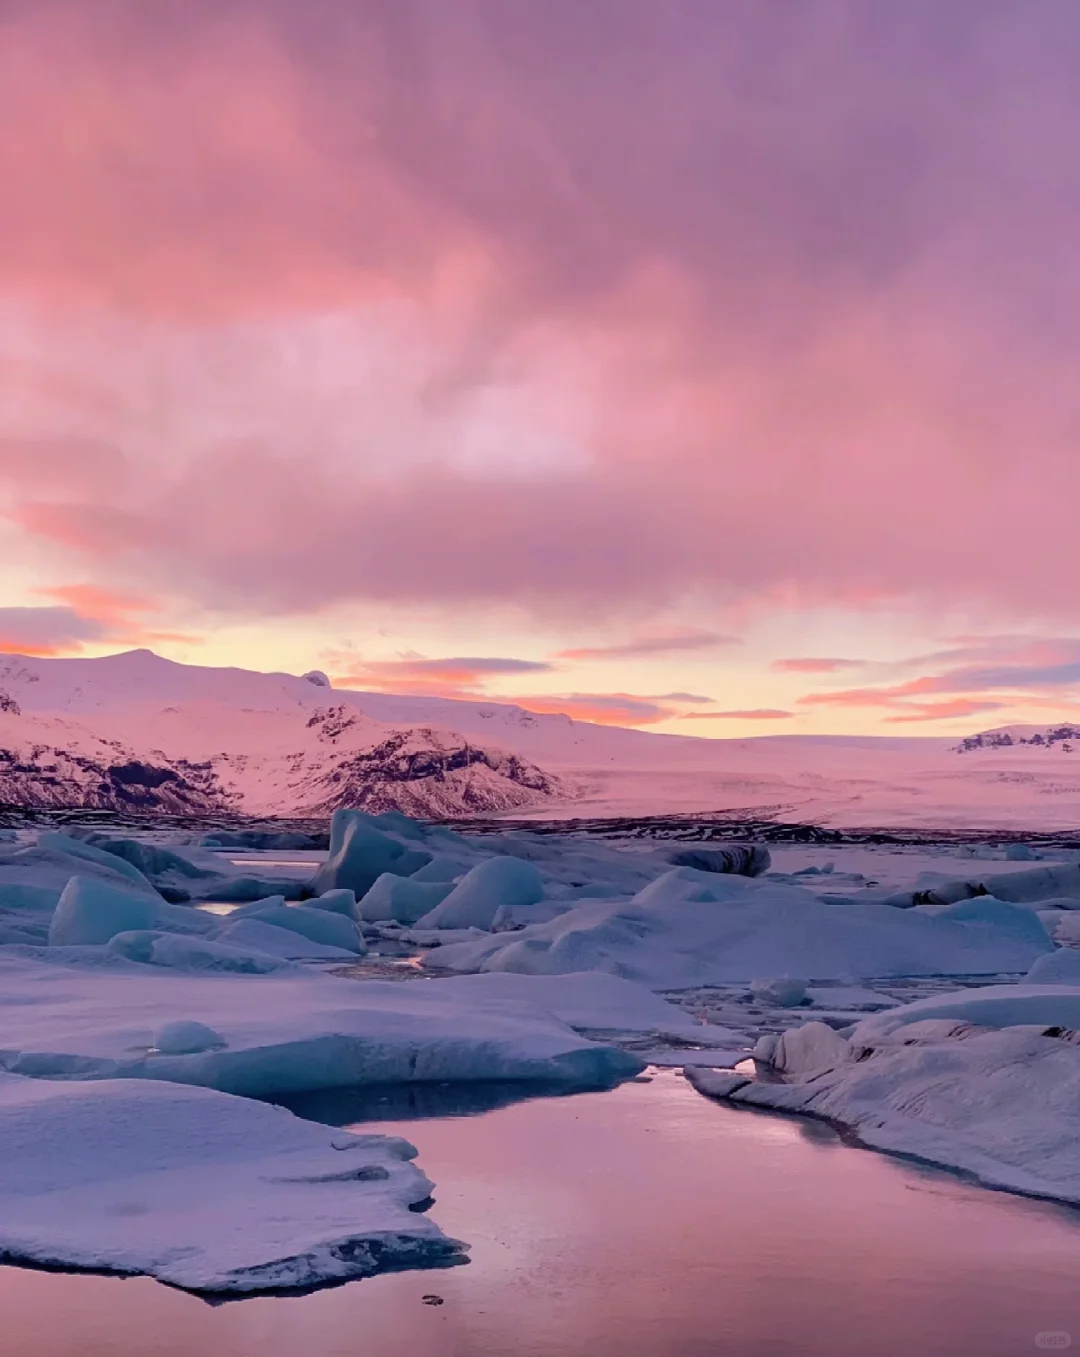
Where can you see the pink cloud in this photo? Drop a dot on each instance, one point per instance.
(671, 643)
(744, 315)
(454, 677)
(950, 710)
(608, 709)
(751, 714)
(814, 666)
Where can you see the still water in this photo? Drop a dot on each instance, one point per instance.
(641, 1222)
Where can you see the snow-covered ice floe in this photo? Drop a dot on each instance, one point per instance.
(689, 928)
(985, 1081)
(74, 1016)
(202, 1190)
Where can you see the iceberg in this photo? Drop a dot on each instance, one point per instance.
(91, 911)
(497, 883)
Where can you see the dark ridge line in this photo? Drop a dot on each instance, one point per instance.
(710, 825)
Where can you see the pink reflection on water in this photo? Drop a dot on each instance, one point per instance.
(638, 1223)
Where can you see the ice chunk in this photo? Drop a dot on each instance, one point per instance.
(196, 954)
(814, 1046)
(337, 902)
(691, 928)
(401, 899)
(1018, 852)
(442, 868)
(359, 854)
(786, 993)
(476, 899)
(735, 859)
(186, 1037)
(1056, 968)
(61, 844)
(715, 1083)
(257, 935)
(204, 1191)
(91, 911)
(318, 925)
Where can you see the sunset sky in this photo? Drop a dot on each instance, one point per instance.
(708, 365)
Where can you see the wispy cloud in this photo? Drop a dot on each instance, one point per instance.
(609, 709)
(814, 666)
(643, 647)
(446, 677)
(87, 616)
(748, 714)
(47, 630)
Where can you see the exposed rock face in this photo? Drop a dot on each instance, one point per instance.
(1063, 738)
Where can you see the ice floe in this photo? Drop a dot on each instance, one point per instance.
(202, 1190)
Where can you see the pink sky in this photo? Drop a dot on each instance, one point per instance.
(647, 362)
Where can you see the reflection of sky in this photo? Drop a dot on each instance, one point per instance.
(644, 1222)
(361, 329)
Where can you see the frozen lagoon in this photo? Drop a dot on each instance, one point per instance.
(641, 1222)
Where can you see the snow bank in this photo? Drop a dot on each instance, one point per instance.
(288, 1032)
(987, 1006)
(692, 928)
(202, 1190)
(1001, 1105)
(497, 883)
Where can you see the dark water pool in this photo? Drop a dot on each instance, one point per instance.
(641, 1222)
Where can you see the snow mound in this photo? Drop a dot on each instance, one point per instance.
(501, 882)
(204, 1191)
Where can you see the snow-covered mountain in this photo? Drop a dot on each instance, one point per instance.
(138, 730)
